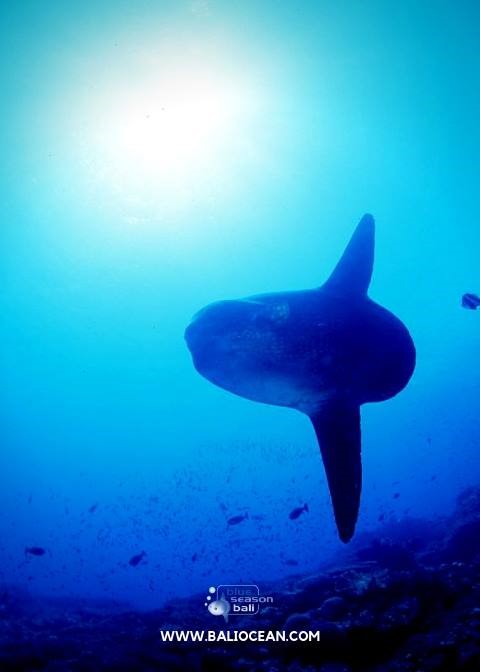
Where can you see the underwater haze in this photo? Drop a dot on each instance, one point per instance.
(157, 157)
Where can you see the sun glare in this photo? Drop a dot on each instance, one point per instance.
(158, 131)
(173, 127)
(166, 132)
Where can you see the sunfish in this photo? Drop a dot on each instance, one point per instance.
(220, 607)
(323, 351)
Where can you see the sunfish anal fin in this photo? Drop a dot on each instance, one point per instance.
(337, 426)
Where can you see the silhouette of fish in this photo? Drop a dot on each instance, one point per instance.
(35, 550)
(235, 520)
(137, 559)
(470, 301)
(296, 513)
(323, 351)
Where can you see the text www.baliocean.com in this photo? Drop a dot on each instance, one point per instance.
(239, 636)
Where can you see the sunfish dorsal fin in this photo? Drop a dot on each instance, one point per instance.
(337, 426)
(353, 272)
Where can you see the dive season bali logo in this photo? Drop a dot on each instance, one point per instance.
(235, 600)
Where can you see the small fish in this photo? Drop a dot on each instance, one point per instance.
(396, 495)
(381, 517)
(470, 301)
(136, 559)
(293, 515)
(235, 520)
(291, 563)
(93, 508)
(34, 550)
(195, 557)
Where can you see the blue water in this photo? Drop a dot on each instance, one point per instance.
(342, 108)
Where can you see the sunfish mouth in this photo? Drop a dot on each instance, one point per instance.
(209, 325)
(190, 334)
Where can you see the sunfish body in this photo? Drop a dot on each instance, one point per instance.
(323, 351)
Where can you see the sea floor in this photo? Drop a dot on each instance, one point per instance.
(406, 600)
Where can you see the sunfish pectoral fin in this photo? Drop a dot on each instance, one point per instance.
(353, 272)
(337, 426)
